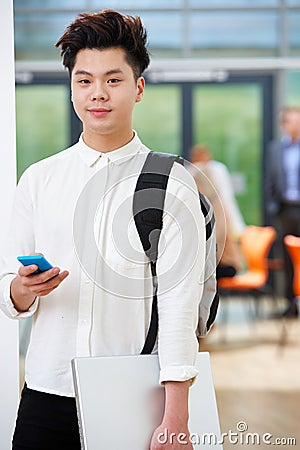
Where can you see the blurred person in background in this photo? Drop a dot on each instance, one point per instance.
(214, 181)
(283, 192)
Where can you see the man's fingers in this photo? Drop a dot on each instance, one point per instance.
(25, 271)
(39, 277)
(43, 277)
(48, 286)
(43, 281)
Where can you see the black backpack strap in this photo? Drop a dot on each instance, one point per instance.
(209, 218)
(153, 327)
(148, 208)
(208, 214)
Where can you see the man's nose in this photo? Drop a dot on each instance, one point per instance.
(99, 93)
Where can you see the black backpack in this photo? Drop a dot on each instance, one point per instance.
(154, 178)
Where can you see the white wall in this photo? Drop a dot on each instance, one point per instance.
(9, 354)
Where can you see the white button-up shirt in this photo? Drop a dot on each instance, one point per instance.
(76, 208)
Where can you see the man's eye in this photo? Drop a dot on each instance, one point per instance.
(113, 80)
(84, 81)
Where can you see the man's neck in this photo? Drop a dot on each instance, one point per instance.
(107, 143)
(295, 138)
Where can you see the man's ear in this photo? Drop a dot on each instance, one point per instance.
(140, 85)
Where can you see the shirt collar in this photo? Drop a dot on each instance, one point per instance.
(287, 141)
(90, 155)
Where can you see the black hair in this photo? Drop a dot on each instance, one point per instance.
(102, 30)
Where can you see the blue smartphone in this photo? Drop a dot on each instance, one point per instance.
(39, 260)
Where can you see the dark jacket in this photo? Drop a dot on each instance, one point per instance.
(275, 178)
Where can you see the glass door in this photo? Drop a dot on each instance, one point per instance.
(228, 119)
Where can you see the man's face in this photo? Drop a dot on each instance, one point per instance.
(291, 124)
(104, 92)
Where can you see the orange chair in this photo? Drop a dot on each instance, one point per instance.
(256, 243)
(292, 244)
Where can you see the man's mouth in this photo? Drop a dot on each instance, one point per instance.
(99, 112)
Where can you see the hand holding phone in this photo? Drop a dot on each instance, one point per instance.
(25, 287)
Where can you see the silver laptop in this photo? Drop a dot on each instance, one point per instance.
(120, 403)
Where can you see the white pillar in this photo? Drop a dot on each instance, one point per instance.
(9, 348)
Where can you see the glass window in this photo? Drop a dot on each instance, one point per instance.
(227, 118)
(223, 33)
(228, 3)
(164, 32)
(36, 34)
(294, 33)
(157, 119)
(42, 123)
(49, 4)
(136, 4)
(211, 33)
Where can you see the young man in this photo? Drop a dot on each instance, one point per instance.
(101, 304)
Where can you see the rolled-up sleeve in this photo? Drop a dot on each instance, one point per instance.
(180, 270)
(6, 303)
